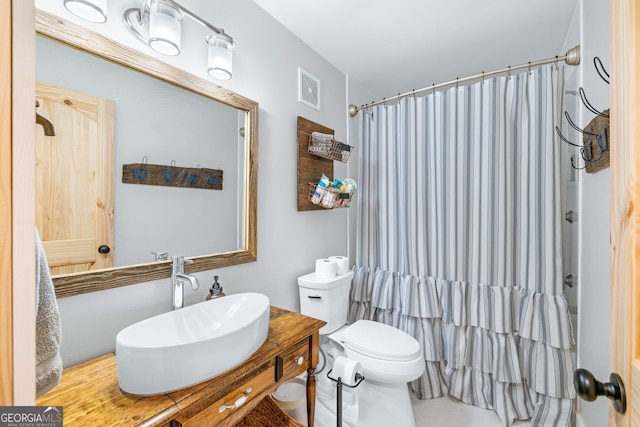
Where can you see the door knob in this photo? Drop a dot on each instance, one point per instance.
(104, 249)
(588, 388)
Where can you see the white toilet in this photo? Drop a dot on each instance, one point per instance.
(389, 358)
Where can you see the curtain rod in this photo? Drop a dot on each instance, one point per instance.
(572, 57)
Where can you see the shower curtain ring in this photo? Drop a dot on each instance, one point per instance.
(529, 67)
(414, 93)
(483, 77)
(509, 73)
(433, 88)
(557, 59)
(457, 81)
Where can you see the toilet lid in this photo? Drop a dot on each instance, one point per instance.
(380, 341)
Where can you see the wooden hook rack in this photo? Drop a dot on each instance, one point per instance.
(172, 176)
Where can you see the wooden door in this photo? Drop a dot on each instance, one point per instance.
(625, 205)
(17, 308)
(74, 179)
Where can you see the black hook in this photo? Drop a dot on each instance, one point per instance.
(565, 139)
(573, 125)
(597, 63)
(586, 150)
(587, 153)
(588, 105)
(576, 167)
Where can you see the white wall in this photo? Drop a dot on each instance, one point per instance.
(570, 175)
(594, 258)
(356, 95)
(265, 69)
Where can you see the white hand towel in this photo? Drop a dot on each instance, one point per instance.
(48, 331)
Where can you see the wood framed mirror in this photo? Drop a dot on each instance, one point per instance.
(244, 248)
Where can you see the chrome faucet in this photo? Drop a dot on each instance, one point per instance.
(178, 277)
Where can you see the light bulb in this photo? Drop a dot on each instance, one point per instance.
(89, 10)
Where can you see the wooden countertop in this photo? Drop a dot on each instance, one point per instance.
(90, 394)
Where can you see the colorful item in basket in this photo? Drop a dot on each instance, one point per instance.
(320, 189)
(348, 186)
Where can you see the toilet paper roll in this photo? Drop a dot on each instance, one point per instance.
(343, 263)
(346, 369)
(326, 268)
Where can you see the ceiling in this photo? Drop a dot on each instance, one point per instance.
(389, 47)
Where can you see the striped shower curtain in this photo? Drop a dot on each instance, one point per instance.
(459, 242)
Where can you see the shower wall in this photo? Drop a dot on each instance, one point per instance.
(571, 162)
(571, 177)
(593, 219)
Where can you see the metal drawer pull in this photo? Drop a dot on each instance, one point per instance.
(314, 297)
(298, 359)
(239, 402)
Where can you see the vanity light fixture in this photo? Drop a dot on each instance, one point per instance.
(89, 10)
(158, 24)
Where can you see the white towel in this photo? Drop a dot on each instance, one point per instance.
(48, 331)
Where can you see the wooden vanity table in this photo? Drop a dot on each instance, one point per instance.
(90, 394)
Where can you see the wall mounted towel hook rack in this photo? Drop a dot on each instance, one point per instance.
(597, 136)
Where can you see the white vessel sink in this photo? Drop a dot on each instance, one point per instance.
(181, 348)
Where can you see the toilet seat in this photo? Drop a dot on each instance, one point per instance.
(386, 354)
(380, 341)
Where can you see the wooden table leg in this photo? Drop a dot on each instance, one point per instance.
(311, 396)
(311, 377)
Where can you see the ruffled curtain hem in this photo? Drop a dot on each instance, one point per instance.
(496, 347)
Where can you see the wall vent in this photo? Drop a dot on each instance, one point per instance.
(308, 89)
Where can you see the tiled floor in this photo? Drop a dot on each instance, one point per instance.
(444, 412)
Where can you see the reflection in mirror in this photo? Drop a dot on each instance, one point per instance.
(180, 121)
(164, 125)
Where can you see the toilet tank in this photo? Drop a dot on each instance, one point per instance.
(326, 299)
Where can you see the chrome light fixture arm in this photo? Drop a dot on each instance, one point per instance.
(137, 20)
